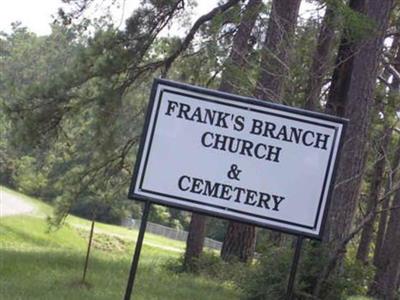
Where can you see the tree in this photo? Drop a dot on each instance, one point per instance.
(233, 66)
(275, 56)
(107, 71)
(374, 194)
(391, 181)
(274, 64)
(240, 239)
(351, 96)
(384, 138)
(321, 58)
(392, 172)
(194, 242)
(385, 283)
(386, 258)
(102, 83)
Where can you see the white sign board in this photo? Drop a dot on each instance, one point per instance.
(237, 158)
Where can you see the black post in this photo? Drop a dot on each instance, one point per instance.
(296, 258)
(88, 250)
(138, 248)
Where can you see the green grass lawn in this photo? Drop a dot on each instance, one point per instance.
(37, 264)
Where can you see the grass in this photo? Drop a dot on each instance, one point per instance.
(44, 210)
(359, 298)
(37, 264)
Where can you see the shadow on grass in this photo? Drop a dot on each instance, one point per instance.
(55, 274)
(24, 236)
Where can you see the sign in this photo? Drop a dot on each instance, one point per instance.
(237, 158)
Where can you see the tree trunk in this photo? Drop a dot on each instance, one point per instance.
(385, 282)
(374, 195)
(194, 242)
(398, 282)
(383, 216)
(342, 75)
(378, 176)
(239, 241)
(321, 59)
(275, 53)
(351, 96)
(237, 60)
(229, 82)
(392, 177)
(269, 86)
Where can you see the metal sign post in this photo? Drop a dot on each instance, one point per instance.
(293, 270)
(138, 248)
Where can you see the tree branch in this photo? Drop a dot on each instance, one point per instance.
(189, 37)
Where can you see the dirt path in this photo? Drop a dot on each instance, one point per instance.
(11, 204)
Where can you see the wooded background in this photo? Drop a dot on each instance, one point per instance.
(73, 106)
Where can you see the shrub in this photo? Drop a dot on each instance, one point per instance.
(267, 280)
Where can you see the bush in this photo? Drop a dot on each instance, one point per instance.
(354, 276)
(210, 265)
(267, 280)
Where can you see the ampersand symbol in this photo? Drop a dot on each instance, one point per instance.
(234, 172)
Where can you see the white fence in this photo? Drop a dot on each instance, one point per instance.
(171, 233)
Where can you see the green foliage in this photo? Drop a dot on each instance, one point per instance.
(170, 217)
(301, 55)
(216, 228)
(269, 275)
(75, 104)
(210, 265)
(180, 219)
(357, 26)
(60, 131)
(159, 214)
(6, 157)
(356, 278)
(29, 178)
(353, 280)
